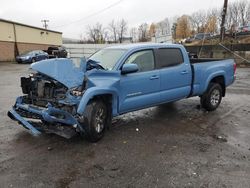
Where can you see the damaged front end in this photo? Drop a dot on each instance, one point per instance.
(49, 103)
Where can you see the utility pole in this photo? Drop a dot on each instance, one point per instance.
(223, 15)
(16, 51)
(45, 25)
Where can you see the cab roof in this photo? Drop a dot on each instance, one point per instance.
(135, 46)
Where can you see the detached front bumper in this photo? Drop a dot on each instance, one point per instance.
(50, 119)
(15, 116)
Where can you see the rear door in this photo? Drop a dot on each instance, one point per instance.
(141, 89)
(175, 74)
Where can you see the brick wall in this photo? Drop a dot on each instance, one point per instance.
(7, 49)
(23, 47)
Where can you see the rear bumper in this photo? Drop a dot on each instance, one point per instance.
(28, 116)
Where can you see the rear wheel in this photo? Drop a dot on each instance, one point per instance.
(95, 120)
(211, 99)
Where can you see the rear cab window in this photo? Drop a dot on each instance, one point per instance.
(168, 57)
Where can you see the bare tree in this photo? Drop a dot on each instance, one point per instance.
(213, 21)
(143, 32)
(122, 29)
(238, 14)
(96, 33)
(133, 34)
(233, 14)
(163, 27)
(113, 27)
(244, 11)
(198, 20)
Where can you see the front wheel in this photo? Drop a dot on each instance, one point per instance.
(33, 60)
(95, 120)
(211, 99)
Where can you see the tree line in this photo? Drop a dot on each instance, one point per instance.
(201, 21)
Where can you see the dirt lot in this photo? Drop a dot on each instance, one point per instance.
(175, 145)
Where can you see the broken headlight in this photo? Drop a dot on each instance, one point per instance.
(77, 91)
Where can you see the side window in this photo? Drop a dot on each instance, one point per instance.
(167, 57)
(143, 59)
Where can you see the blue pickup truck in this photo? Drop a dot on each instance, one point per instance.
(66, 98)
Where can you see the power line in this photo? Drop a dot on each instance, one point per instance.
(91, 15)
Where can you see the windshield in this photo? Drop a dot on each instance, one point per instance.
(27, 53)
(107, 58)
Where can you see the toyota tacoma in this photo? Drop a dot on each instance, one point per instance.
(68, 98)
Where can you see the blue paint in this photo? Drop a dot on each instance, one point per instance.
(14, 115)
(63, 70)
(131, 91)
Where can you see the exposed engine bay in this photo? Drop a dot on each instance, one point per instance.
(51, 97)
(42, 90)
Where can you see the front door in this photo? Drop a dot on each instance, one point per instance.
(140, 89)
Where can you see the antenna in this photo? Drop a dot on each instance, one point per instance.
(45, 25)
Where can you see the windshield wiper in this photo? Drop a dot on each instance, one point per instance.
(91, 64)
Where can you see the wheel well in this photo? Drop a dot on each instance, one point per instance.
(106, 98)
(220, 80)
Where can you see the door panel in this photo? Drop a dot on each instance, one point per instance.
(175, 74)
(175, 82)
(140, 89)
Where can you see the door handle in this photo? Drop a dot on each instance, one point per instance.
(184, 72)
(154, 77)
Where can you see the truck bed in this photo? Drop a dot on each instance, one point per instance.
(202, 60)
(205, 69)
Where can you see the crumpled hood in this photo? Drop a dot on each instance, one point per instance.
(67, 72)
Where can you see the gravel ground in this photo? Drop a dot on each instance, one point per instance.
(173, 145)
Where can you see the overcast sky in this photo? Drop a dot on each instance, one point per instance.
(61, 13)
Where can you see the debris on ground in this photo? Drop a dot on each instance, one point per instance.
(49, 148)
(99, 167)
(220, 138)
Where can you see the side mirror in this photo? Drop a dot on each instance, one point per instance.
(129, 68)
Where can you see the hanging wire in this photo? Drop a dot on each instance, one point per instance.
(234, 53)
(91, 15)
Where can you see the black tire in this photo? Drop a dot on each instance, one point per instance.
(95, 120)
(211, 99)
